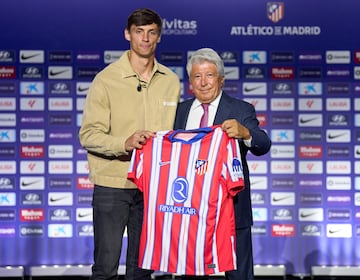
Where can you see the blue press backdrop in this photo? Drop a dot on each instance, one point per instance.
(314, 44)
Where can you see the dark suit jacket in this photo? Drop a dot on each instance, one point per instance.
(233, 108)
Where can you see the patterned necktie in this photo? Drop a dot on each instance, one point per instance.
(205, 116)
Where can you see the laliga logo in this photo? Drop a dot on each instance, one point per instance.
(275, 11)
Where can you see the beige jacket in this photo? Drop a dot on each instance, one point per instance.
(115, 109)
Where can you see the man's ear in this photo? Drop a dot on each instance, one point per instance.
(127, 34)
(222, 81)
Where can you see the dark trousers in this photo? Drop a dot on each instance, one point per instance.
(113, 210)
(245, 265)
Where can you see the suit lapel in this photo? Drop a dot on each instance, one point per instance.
(224, 109)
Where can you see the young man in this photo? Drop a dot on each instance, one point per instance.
(238, 118)
(127, 101)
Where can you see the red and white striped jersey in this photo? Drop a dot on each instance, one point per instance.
(188, 179)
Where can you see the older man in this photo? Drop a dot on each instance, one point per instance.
(238, 119)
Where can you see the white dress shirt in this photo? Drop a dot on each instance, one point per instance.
(196, 112)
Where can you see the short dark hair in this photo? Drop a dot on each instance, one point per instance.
(144, 16)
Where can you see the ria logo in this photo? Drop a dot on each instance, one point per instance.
(180, 190)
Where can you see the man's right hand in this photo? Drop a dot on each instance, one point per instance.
(138, 139)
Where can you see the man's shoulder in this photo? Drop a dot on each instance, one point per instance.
(118, 68)
(234, 100)
(186, 102)
(166, 70)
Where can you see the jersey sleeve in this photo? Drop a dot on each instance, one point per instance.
(135, 171)
(235, 177)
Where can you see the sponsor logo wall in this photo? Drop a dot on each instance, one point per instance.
(300, 70)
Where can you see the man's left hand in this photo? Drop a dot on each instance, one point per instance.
(235, 130)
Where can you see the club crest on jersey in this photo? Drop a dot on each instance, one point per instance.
(237, 167)
(201, 166)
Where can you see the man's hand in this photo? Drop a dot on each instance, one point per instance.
(235, 130)
(138, 139)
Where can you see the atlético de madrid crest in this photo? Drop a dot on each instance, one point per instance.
(201, 166)
(275, 11)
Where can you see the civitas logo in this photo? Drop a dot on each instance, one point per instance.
(179, 27)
